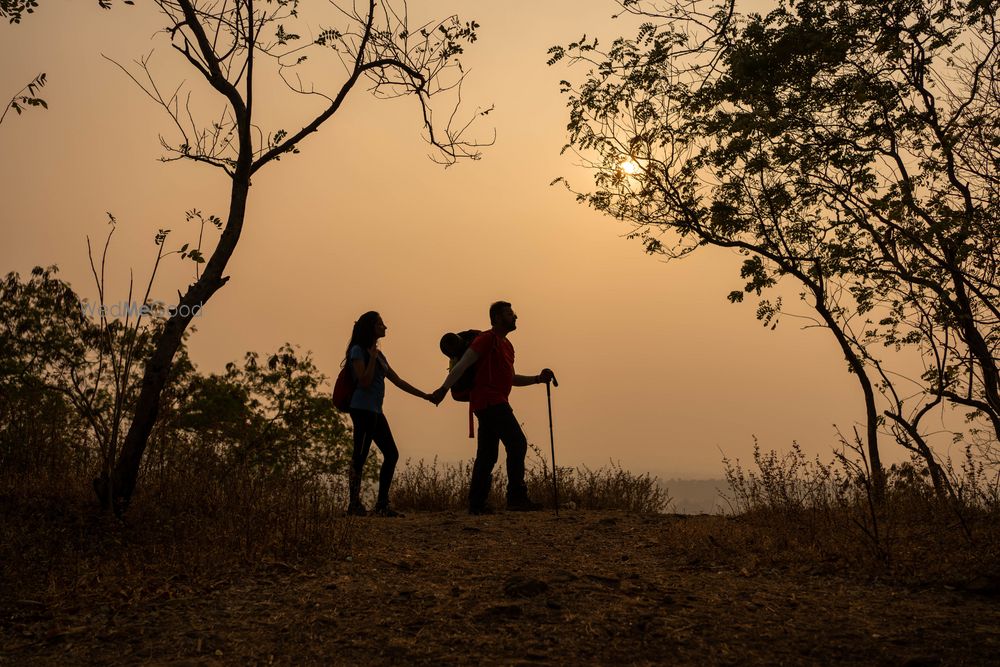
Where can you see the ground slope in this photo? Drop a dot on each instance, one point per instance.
(586, 587)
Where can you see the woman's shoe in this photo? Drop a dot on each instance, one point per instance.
(356, 509)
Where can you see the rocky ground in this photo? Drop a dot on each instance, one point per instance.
(584, 587)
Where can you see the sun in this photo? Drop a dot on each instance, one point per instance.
(630, 166)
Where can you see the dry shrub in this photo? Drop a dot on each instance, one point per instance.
(432, 487)
(789, 509)
(435, 487)
(248, 512)
(606, 488)
(192, 525)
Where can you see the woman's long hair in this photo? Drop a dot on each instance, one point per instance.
(363, 333)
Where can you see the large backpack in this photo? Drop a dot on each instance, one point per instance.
(453, 346)
(456, 344)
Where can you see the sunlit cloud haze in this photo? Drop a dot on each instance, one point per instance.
(657, 370)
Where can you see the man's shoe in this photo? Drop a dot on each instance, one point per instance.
(388, 512)
(523, 505)
(478, 511)
(356, 509)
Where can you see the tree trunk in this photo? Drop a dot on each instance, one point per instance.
(117, 491)
(871, 412)
(942, 487)
(980, 349)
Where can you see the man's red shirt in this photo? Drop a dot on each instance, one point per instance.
(494, 371)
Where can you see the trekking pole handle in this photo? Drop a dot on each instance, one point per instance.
(555, 382)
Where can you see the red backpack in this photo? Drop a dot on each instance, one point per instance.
(343, 389)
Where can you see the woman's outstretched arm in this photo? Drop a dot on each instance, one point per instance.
(404, 385)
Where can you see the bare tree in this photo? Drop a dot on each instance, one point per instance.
(225, 41)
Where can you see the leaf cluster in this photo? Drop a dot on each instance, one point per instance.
(27, 97)
(14, 10)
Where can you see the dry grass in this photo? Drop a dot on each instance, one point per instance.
(788, 510)
(587, 587)
(219, 562)
(435, 486)
(200, 520)
(199, 525)
(189, 529)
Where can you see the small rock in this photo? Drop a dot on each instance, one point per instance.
(500, 612)
(922, 661)
(524, 587)
(614, 582)
(983, 585)
(563, 576)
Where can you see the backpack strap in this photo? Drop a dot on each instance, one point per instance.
(494, 348)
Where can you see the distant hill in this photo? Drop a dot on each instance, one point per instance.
(696, 496)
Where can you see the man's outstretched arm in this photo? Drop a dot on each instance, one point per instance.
(468, 359)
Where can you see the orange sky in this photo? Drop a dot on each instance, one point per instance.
(657, 370)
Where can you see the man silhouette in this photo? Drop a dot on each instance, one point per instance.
(493, 356)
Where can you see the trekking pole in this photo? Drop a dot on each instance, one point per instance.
(552, 441)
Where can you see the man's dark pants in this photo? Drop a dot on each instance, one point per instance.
(497, 423)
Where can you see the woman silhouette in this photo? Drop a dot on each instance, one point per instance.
(370, 368)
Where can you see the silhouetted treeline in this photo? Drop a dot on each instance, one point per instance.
(68, 381)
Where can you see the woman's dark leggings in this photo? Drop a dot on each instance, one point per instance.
(368, 427)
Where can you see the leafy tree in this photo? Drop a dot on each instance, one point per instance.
(226, 44)
(271, 413)
(62, 350)
(40, 328)
(63, 383)
(849, 145)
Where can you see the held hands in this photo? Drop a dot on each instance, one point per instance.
(438, 396)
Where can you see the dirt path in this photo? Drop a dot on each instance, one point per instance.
(588, 587)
